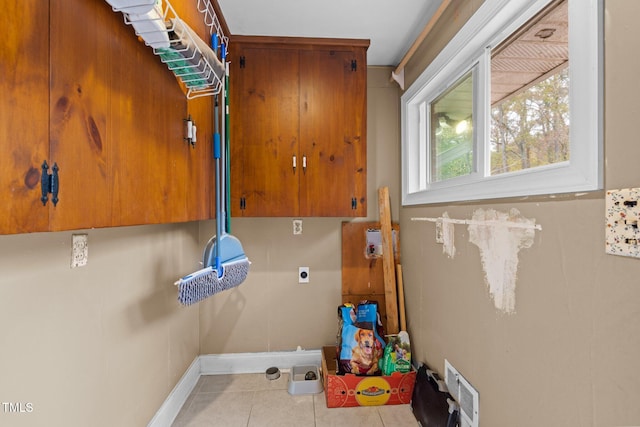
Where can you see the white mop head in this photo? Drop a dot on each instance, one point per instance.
(204, 283)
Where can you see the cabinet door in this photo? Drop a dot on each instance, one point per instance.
(80, 94)
(24, 114)
(333, 132)
(116, 125)
(264, 132)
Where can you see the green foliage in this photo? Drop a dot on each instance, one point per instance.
(454, 154)
(531, 129)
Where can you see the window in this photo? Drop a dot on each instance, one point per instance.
(510, 107)
(452, 141)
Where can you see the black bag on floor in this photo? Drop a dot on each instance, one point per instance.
(431, 406)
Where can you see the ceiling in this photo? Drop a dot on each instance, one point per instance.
(392, 27)
(538, 49)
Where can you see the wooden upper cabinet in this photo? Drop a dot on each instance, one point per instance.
(82, 92)
(298, 127)
(116, 123)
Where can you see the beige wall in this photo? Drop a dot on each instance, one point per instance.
(568, 356)
(100, 345)
(271, 311)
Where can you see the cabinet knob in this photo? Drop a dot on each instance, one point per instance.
(294, 164)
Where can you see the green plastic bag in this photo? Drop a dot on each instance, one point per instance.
(397, 355)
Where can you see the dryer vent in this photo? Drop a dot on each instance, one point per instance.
(464, 393)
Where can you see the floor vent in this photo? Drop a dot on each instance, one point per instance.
(464, 394)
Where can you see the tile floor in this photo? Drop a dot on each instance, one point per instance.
(251, 400)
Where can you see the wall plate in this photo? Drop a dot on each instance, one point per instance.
(79, 250)
(303, 275)
(297, 226)
(621, 228)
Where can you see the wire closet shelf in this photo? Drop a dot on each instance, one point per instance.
(199, 65)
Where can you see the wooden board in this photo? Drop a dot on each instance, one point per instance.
(362, 275)
(388, 264)
(401, 308)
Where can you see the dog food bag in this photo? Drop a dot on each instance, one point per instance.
(360, 346)
(346, 317)
(397, 355)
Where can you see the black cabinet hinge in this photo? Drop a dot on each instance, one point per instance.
(242, 62)
(354, 65)
(354, 203)
(49, 183)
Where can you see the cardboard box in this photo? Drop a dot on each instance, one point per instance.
(352, 390)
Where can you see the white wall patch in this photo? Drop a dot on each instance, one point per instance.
(500, 236)
(447, 236)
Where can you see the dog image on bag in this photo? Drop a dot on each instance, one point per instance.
(365, 355)
(359, 343)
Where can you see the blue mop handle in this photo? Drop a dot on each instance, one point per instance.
(216, 156)
(216, 146)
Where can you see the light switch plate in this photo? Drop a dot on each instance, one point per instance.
(622, 214)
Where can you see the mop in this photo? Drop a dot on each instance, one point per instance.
(226, 265)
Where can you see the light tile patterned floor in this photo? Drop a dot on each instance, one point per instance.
(251, 400)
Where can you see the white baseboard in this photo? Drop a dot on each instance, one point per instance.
(178, 396)
(248, 363)
(232, 363)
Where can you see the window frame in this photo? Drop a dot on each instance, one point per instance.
(493, 22)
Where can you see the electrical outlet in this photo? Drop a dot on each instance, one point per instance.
(439, 231)
(303, 275)
(79, 250)
(297, 226)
